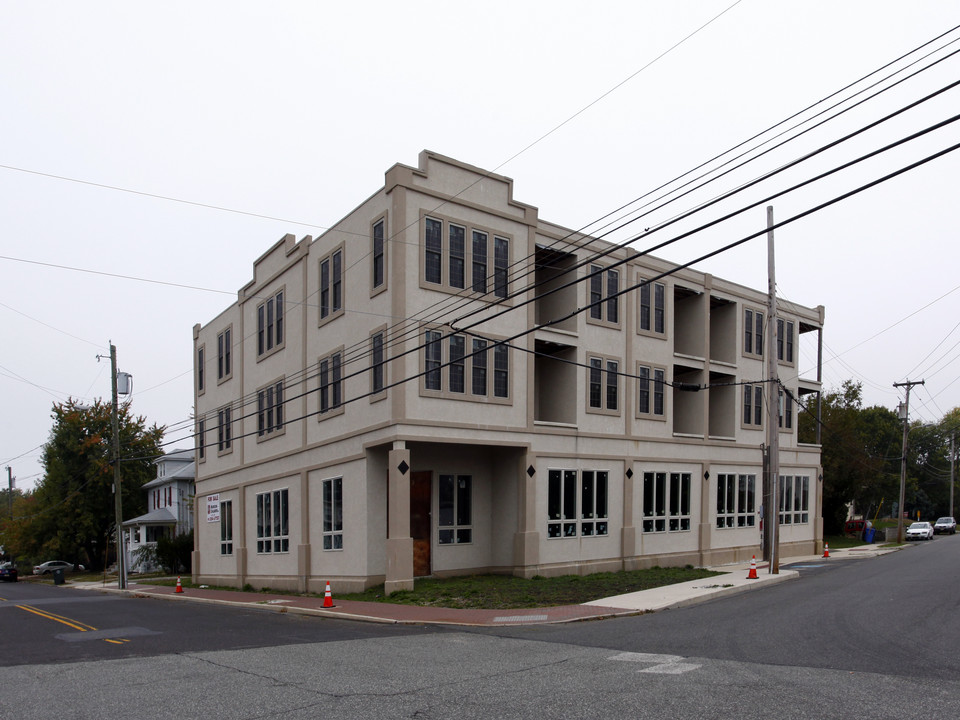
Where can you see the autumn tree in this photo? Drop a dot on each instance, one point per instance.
(74, 514)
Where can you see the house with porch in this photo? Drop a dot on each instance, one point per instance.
(170, 503)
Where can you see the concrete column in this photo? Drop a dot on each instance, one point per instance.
(526, 541)
(399, 542)
(628, 535)
(706, 481)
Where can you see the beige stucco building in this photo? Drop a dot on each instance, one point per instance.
(445, 383)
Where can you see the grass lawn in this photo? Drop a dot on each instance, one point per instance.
(496, 592)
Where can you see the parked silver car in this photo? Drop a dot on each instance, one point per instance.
(945, 525)
(51, 565)
(920, 531)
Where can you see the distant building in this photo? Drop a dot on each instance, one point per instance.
(170, 500)
(443, 383)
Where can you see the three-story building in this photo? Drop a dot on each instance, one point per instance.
(444, 383)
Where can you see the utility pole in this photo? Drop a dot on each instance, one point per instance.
(905, 415)
(771, 507)
(952, 434)
(118, 503)
(10, 480)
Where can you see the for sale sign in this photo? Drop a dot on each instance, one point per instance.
(213, 508)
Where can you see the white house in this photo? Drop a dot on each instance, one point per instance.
(170, 499)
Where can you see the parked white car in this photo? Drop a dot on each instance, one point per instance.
(920, 531)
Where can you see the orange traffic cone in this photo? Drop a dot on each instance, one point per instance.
(826, 550)
(179, 586)
(752, 575)
(327, 597)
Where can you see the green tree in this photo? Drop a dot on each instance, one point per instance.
(855, 446)
(74, 517)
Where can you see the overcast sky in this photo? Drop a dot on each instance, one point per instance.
(258, 119)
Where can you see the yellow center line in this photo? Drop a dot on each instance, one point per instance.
(76, 624)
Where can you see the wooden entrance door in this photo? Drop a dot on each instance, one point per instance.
(420, 521)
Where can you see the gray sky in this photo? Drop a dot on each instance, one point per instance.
(295, 110)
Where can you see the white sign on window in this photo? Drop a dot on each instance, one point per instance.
(213, 508)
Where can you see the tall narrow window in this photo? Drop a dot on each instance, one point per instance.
(333, 514)
(331, 284)
(679, 514)
(457, 250)
(501, 261)
(643, 390)
(201, 439)
(324, 288)
(613, 385)
(659, 308)
(376, 363)
(593, 503)
(378, 254)
(433, 360)
(200, 368)
(433, 251)
(479, 375)
(501, 364)
(658, 383)
(226, 527)
(456, 366)
(337, 281)
(331, 392)
(479, 261)
(562, 503)
(748, 331)
(758, 335)
(224, 349)
(613, 301)
(454, 503)
(224, 429)
(596, 382)
(596, 292)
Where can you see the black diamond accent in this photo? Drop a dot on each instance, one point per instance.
(531, 471)
(706, 475)
(403, 467)
(629, 473)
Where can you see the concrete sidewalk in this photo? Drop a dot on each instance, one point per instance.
(734, 580)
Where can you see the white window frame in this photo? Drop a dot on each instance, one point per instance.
(332, 514)
(570, 494)
(666, 500)
(273, 522)
(454, 510)
(794, 499)
(226, 527)
(736, 500)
